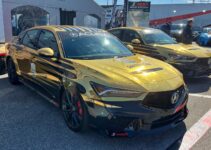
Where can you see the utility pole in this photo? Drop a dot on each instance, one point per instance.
(125, 11)
(113, 11)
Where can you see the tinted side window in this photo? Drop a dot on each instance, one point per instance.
(19, 39)
(48, 40)
(116, 33)
(30, 39)
(129, 35)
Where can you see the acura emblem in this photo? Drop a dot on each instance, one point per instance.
(174, 97)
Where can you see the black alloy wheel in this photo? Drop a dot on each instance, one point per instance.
(74, 112)
(2, 67)
(12, 75)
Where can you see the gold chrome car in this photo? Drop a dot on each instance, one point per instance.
(96, 80)
(191, 60)
(2, 59)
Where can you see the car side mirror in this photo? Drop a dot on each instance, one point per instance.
(130, 47)
(136, 41)
(46, 52)
(174, 39)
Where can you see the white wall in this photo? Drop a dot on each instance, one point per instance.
(2, 38)
(82, 8)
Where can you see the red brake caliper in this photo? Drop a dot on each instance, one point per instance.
(80, 110)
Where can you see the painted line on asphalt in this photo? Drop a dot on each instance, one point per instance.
(201, 96)
(3, 76)
(196, 132)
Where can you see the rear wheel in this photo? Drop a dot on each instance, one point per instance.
(74, 112)
(2, 66)
(12, 75)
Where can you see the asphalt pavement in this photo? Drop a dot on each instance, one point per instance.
(29, 122)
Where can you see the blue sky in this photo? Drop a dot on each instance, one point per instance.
(104, 2)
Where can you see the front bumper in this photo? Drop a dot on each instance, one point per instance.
(136, 117)
(196, 69)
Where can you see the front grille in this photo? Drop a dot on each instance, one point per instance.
(162, 99)
(202, 61)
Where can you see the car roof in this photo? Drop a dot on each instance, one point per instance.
(136, 28)
(131, 28)
(67, 28)
(180, 24)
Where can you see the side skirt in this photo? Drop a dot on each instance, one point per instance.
(42, 95)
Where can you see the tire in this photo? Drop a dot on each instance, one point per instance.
(2, 68)
(12, 74)
(74, 112)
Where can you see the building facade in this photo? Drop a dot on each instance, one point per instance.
(18, 15)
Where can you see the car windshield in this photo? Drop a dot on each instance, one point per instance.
(156, 37)
(92, 46)
(177, 27)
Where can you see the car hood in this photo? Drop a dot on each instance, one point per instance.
(187, 49)
(134, 72)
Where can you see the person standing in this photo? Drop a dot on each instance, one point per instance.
(187, 34)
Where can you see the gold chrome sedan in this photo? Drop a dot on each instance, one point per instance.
(191, 60)
(96, 80)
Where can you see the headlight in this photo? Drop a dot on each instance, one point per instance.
(180, 57)
(105, 91)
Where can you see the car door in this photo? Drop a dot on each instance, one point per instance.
(117, 33)
(129, 35)
(25, 49)
(48, 69)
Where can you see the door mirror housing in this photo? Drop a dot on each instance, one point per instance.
(46, 52)
(130, 47)
(174, 39)
(136, 41)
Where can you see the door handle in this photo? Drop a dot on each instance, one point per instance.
(34, 59)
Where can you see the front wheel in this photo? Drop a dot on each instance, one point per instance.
(2, 66)
(74, 112)
(12, 75)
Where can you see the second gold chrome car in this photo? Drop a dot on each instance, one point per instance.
(191, 60)
(97, 80)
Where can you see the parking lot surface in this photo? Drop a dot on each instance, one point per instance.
(30, 122)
